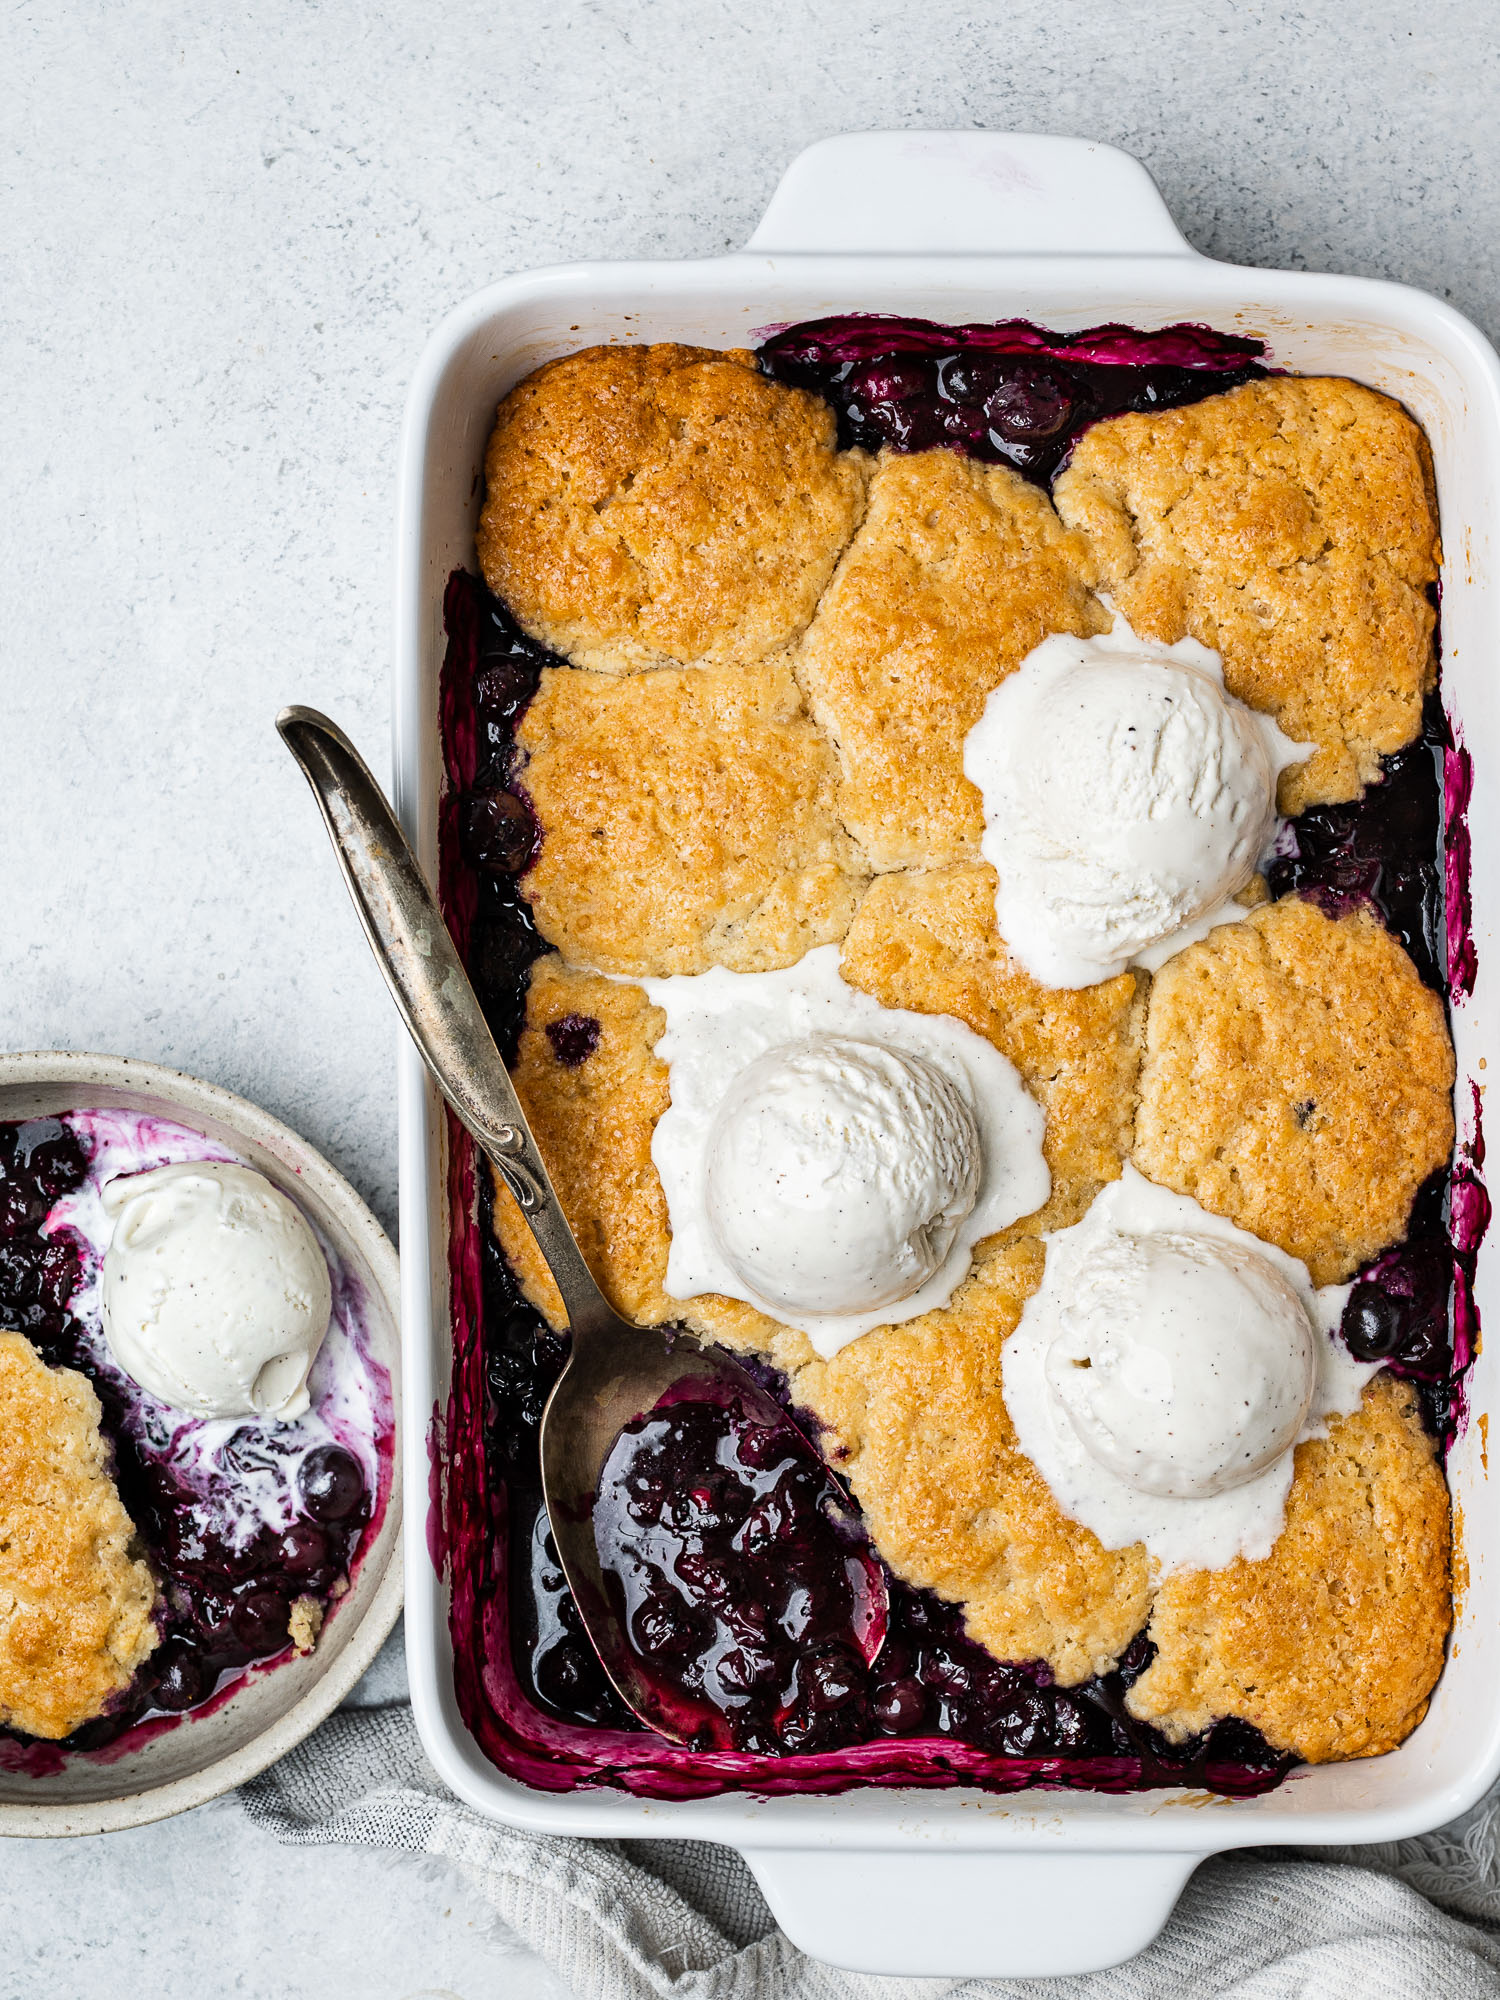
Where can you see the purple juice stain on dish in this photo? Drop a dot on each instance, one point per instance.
(237, 1520)
(1011, 393)
(1458, 790)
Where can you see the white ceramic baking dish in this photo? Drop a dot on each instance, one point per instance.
(956, 227)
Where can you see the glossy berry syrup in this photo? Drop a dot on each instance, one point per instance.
(717, 1556)
(226, 1594)
(1009, 394)
(724, 1546)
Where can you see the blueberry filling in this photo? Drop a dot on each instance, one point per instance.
(223, 1606)
(686, 1506)
(723, 1546)
(1005, 394)
(1383, 851)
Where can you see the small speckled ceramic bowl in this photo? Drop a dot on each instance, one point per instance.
(274, 1707)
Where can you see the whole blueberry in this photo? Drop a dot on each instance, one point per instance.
(331, 1483)
(182, 1677)
(888, 379)
(497, 831)
(1029, 404)
(899, 1706)
(1372, 1324)
(302, 1549)
(259, 1621)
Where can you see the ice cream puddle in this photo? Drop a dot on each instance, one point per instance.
(826, 1159)
(1164, 1370)
(1128, 798)
(215, 1294)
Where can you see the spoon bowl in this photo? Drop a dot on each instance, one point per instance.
(616, 1372)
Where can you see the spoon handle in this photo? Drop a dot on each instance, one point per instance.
(416, 953)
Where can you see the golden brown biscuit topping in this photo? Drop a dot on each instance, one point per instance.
(927, 941)
(958, 571)
(1292, 525)
(75, 1603)
(688, 819)
(921, 1430)
(1331, 1645)
(651, 506)
(1298, 1079)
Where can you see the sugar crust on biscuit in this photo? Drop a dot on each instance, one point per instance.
(1332, 1645)
(688, 818)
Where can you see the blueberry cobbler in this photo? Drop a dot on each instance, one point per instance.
(197, 1439)
(956, 834)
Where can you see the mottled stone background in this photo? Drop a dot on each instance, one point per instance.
(226, 232)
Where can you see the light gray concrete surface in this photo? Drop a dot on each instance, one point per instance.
(226, 232)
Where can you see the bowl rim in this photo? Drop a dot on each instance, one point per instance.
(71, 1068)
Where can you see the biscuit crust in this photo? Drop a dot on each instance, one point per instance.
(650, 506)
(957, 572)
(1291, 524)
(1332, 1645)
(593, 1122)
(75, 1603)
(928, 942)
(919, 1426)
(1298, 1079)
(688, 819)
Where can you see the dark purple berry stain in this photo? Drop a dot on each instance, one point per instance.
(221, 1608)
(574, 1039)
(702, 1517)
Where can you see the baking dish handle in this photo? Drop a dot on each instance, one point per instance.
(965, 1915)
(941, 192)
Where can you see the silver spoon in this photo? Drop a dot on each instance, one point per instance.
(615, 1372)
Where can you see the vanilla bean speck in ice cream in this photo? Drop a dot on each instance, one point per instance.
(829, 1160)
(1128, 798)
(216, 1294)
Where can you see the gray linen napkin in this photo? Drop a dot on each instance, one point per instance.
(684, 1920)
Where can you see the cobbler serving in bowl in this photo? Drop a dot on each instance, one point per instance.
(199, 1439)
(948, 825)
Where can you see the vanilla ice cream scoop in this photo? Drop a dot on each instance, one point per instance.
(839, 1171)
(1185, 1363)
(1165, 1368)
(216, 1295)
(830, 1161)
(1127, 799)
